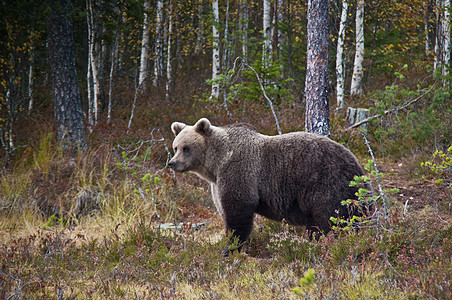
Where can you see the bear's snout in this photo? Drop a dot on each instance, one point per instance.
(176, 165)
(172, 165)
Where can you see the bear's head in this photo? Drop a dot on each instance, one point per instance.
(190, 145)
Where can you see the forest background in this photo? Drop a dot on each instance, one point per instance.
(101, 216)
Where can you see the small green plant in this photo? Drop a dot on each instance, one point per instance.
(306, 284)
(364, 204)
(441, 166)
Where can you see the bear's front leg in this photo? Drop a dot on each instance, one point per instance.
(238, 215)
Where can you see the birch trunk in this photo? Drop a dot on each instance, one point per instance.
(267, 31)
(356, 86)
(31, 73)
(93, 65)
(316, 86)
(439, 44)
(215, 52)
(168, 62)
(200, 33)
(279, 16)
(244, 28)
(340, 72)
(446, 37)
(226, 38)
(144, 70)
(158, 43)
(114, 57)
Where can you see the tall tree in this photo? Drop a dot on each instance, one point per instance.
(244, 28)
(340, 71)
(93, 83)
(215, 51)
(357, 78)
(316, 87)
(169, 74)
(144, 59)
(267, 31)
(446, 31)
(158, 43)
(67, 103)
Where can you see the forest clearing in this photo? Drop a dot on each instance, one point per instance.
(89, 208)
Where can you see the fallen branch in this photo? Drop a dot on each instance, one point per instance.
(388, 111)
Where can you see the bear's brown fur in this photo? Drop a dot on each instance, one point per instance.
(300, 177)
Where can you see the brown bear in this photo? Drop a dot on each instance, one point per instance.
(300, 177)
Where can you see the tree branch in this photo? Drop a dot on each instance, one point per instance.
(388, 111)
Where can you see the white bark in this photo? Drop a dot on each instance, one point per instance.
(144, 70)
(267, 31)
(200, 33)
(158, 43)
(446, 32)
(168, 62)
(226, 38)
(340, 71)
(31, 73)
(426, 29)
(215, 52)
(356, 86)
(438, 42)
(92, 69)
(244, 28)
(279, 18)
(114, 57)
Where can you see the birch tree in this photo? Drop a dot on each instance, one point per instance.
(267, 32)
(340, 71)
(200, 28)
(144, 70)
(93, 84)
(158, 43)
(215, 51)
(31, 72)
(114, 58)
(168, 62)
(357, 78)
(316, 87)
(244, 28)
(446, 30)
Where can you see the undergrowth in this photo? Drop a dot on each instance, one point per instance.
(115, 223)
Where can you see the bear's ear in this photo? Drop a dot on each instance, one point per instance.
(203, 126)
(177, 127)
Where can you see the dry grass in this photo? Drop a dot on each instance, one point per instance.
(105, 242)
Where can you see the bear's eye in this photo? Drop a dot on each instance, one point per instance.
(175, 149)
(186, 149)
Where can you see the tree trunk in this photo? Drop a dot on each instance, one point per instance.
(200, 29)
(340, 71)
(446, 43)
(356, 86)
(316, 86)
(114, 57)
(158, 43)
(31, 72)
(279, 17)
(68, 108)
(227, 42)
(93, 68)
(267, 31)
(244, 28)
(168, 62)
(215, 51)
(144, 70)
